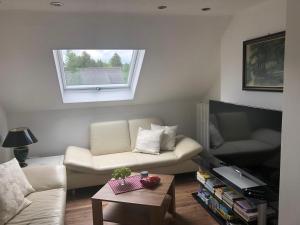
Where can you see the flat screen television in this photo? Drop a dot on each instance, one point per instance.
(247, 137)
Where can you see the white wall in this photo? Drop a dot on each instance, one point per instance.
(57, 129)
(177, 67)
(262, 19)
(5, 154)
(182, 57)
(289, 210)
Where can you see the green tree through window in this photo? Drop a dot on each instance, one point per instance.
(73, 63)
(115, 61)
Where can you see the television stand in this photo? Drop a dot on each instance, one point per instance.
(241, 182)
(247, 185)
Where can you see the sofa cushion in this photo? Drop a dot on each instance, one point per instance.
(186, 148)
(143, 123)
(78, 158)
(47, 208)
(165, 158)
(110, 137)
(148, 141)
(168, 140)
(104, 164)
(109, 162)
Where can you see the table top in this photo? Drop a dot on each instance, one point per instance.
(150, 197)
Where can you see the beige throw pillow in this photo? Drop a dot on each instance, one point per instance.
(148, 141)
(12, 199)
(18, 176)
(168, 139)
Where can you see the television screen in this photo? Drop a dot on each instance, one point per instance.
(247, 137)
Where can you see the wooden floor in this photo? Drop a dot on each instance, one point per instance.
(189, 212)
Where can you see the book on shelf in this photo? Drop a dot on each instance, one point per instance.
(230, 196)
(213, 183)
(217, 207)
(219, 191)
(246, 216)
(203, 176)
(225, 212)
(234, 223)
(250, 216)
(247, 206)
(204, 195)
(227, 201)
(213, 204)
(229, 204)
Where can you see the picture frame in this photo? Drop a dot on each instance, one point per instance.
(263, 63)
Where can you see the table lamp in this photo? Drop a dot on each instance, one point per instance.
(19, 139)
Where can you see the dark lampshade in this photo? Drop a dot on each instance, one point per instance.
(19, 137)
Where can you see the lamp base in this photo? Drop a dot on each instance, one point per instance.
(23, 164)
(21, 154)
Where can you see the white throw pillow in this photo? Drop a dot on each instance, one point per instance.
(148, 141)
(168, 140)
(12, 199)
(18, 176)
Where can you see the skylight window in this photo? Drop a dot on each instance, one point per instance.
(97, 75)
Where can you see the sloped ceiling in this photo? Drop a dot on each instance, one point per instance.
(179, 7)
(182, 54)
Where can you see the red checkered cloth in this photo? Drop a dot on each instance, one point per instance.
(132, 183)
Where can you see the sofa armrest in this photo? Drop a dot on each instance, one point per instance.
(78, 159)
(46, 177)
(186, 148)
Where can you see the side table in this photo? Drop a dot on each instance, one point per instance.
(142, 207)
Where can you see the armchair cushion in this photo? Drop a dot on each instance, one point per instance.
(46, 177)
(47, 208)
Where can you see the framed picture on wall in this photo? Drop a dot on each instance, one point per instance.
(263, 63)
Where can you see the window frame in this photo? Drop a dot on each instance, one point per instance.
(59, 60)
(100, 93)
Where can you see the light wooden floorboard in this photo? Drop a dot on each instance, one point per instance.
(189, 212)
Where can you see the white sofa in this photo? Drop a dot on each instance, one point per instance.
(111, 145)
(49, 199)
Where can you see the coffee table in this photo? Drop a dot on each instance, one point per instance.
(144, 206)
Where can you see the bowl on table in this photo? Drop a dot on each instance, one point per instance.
(150, 181)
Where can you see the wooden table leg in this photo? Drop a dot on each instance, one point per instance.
(171, 192)
(156, 217)
(97, 212)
